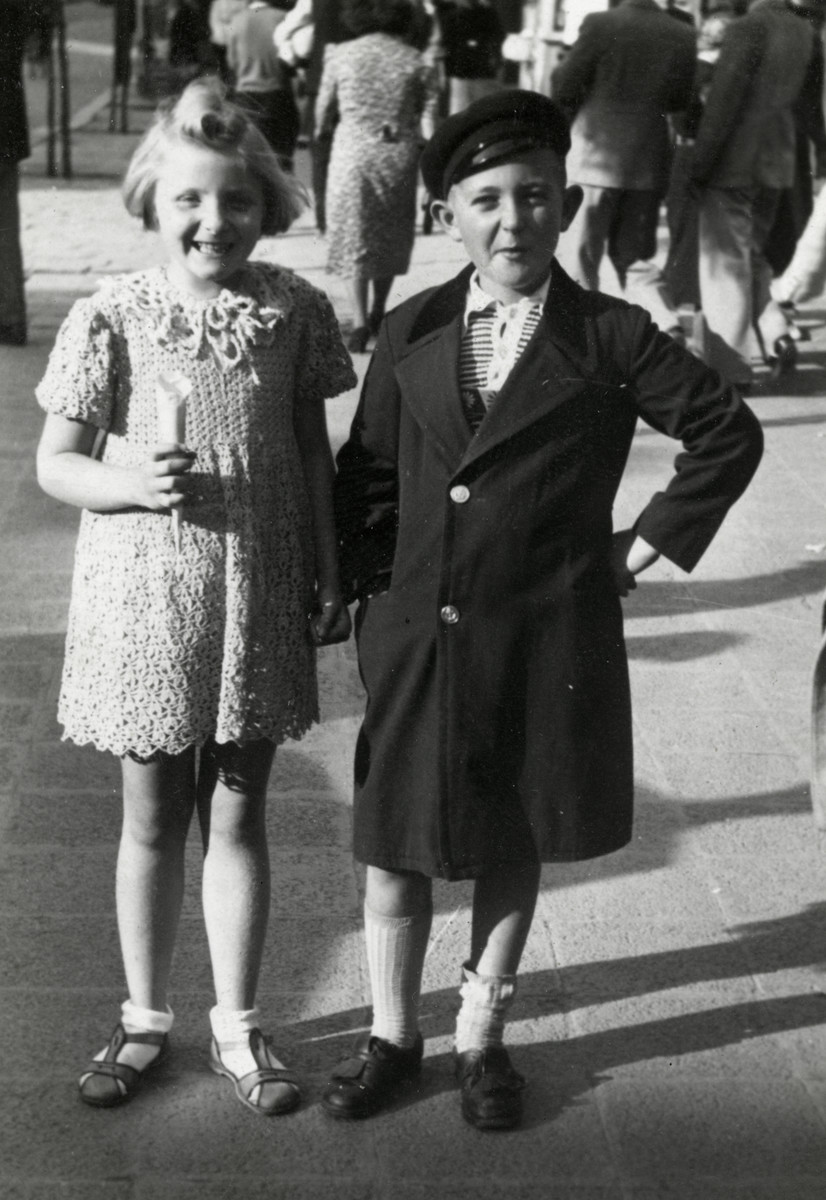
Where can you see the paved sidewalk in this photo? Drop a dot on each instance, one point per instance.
(671, 1014)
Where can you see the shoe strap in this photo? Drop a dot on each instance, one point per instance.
(121, 1038)
(129, 1076)
(248, 1083)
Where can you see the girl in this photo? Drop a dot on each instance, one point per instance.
(189, 648)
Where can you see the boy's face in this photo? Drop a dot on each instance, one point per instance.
(509, 219)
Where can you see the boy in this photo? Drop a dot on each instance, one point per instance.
(474, 497)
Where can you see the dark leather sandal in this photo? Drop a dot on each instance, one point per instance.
(99, 1082)
(491, 1088)
(246, 1084)
(368, 1081)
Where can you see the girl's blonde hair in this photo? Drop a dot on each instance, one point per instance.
(203, 115)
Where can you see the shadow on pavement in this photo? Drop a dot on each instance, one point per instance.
(666, 598)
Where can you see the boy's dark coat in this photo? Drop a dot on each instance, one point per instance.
(517, 699)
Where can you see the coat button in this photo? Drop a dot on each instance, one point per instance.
(449, 614)
(460, 494)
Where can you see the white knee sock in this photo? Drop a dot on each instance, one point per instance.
(396, 948)
(480, 1023)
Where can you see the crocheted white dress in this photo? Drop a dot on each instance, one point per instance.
(165, 649)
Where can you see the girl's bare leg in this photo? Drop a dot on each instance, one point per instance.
(232, 788)
(158, 802)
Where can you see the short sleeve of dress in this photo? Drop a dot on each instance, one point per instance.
(324, 366)
(79, 382)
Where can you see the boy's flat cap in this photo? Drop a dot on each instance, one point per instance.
(490, 130)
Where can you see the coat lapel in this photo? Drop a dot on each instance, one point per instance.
(428, 375)
(551, 370)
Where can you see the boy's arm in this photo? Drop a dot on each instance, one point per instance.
(722, 444)
(366, 488)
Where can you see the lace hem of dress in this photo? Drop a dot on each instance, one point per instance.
(284, 731)
(227, 324)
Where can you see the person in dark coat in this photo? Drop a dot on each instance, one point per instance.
(744, 156)
(796, 202)
(472, 35)
(14, 146)
(474, 501)
(629, 68)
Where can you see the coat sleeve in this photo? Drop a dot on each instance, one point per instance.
(722, 440)
(367, 487)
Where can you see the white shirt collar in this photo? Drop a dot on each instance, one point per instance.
(478, 299)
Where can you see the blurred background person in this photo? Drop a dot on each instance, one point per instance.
(805, 277)
(327, 29)
(375, 92)
(190, 50)
(744, 156)
(628, 69)
(795, 204)
(14, 146)
(471, 37)
(263, 82)
(221, 13)
(681, 270)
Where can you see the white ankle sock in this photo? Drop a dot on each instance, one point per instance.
(231, 1029)
(480, 1023)
(396, 948)
(135, 1019)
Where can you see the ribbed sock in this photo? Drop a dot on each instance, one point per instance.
(480, 1022)
(396, 948)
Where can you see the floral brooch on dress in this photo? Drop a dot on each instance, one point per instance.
(228, 325)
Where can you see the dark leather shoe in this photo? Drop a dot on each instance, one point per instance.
(368, 1081)
(491, 1089)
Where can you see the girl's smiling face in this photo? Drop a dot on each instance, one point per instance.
(209, 209)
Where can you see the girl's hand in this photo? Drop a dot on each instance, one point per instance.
(630, 555)
(162, 480)
(331, 623)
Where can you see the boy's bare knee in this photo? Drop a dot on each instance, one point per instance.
(397, 893)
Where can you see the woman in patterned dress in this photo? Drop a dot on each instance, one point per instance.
(379, 89)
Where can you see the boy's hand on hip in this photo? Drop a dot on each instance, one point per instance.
(630, 554)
